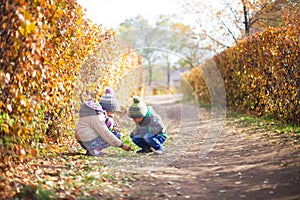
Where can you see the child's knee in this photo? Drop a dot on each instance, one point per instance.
(117, 134)
(136, 138)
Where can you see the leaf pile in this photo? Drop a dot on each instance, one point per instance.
(64, 172)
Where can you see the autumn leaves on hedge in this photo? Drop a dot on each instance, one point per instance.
(44, 48)
(261, 74)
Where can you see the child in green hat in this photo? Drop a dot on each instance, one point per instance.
(150, 132)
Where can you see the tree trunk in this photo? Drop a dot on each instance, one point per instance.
(247, 31)
(168, 74)
(150, 72)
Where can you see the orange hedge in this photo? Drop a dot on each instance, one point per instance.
(261, 74)
(43, 49)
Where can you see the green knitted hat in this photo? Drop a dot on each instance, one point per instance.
(138, 108)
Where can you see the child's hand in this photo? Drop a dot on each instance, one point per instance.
(115, 128)
(131, 135)
(125, 147)
(134, 131)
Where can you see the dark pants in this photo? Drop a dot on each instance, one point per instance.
(149, 140)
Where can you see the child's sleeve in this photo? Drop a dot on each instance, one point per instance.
(157, 125)
(98, 124)
(109, 122)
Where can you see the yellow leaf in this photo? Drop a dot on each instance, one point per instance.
(22, 31)
(53, 148)
(6, 159)
(56, 147)
(33, 152)
(5, 128)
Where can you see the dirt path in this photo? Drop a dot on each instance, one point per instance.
(241, 165)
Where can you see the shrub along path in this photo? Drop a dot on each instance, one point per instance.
(247, 162)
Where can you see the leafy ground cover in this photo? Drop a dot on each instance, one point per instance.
(252, 158)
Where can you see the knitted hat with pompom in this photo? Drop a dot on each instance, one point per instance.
(138, 108)
(109, 102)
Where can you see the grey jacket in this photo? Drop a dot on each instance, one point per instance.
(152, 123)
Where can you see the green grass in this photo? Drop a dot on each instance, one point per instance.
(274, 130)
(265, 122)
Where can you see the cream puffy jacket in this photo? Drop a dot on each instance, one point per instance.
(91, 125)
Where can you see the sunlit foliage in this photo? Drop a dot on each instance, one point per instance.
(44, 48)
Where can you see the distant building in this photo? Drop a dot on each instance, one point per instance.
(175, 77)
